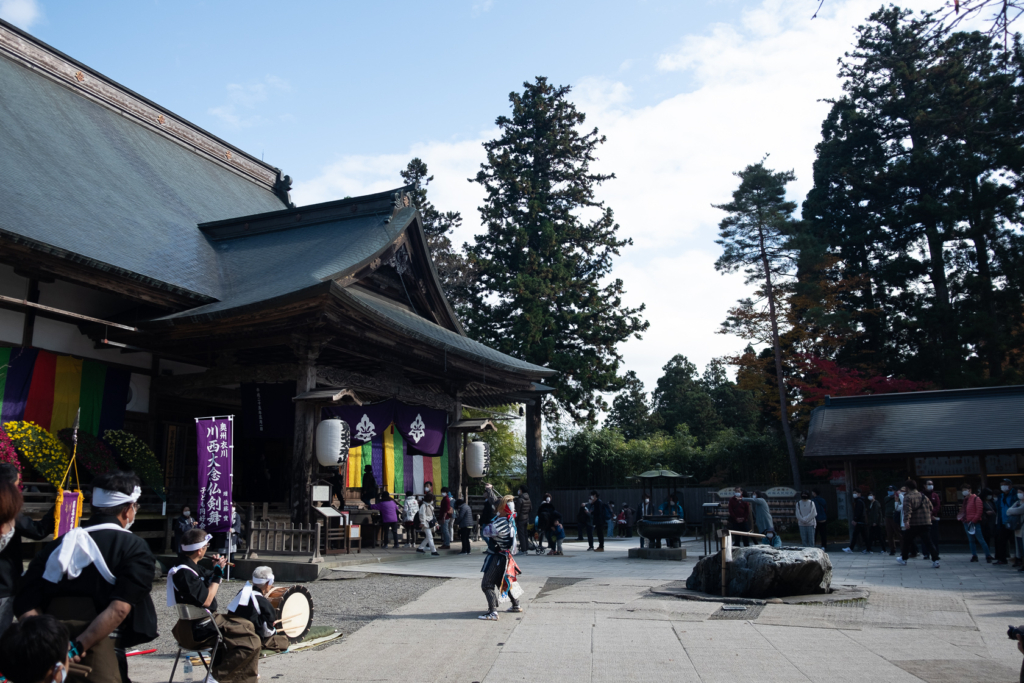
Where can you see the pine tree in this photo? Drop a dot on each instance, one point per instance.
(541, 291)
(452, 267)
(755, 239)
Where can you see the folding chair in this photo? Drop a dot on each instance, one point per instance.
(191, 613)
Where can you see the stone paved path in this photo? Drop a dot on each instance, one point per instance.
(591, 617)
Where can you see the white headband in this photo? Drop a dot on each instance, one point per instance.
(102, 498)
(192, 547)
(260, 582)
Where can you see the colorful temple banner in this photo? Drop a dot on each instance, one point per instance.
(49, 389)
(397, 463)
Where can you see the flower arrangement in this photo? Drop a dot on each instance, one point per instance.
(40, 449)
(7, 452)
(138, 457)
(94, 457)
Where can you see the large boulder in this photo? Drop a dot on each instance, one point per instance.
(764, 572)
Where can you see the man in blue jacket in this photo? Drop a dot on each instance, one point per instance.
(822, 517)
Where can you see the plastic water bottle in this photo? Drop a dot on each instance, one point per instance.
(188, 669)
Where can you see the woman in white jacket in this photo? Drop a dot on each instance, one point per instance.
(427, 522)
(409, 514)
(806, 518)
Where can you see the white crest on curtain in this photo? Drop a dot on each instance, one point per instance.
(365, 430)
(417, 430)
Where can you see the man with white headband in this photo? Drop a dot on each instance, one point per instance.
(251, 603)
(96, 579)
(189, 583)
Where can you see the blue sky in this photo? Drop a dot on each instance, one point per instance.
(342, 95)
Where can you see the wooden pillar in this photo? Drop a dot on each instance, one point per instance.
(850, 483)
(28, 330)
(534, 449)
(302, 443)
(455, 453)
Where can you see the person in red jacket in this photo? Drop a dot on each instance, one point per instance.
(971, 515)
(446, 518)
(739, 516)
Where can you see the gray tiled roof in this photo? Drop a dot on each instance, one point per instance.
(76, 175)
(439, 337)
(955, 421)
(276, 264)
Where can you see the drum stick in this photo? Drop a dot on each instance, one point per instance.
(79, 669)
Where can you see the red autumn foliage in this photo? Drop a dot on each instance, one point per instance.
(821, 377)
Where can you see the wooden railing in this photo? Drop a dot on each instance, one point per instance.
(284, 539)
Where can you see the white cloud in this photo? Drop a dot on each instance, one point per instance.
(755, 87)
(21, 13)
(240, 111)
(482, 7)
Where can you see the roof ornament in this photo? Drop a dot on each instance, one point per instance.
(282, 188)
(399, 260)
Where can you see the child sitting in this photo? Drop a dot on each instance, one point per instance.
(35, 650)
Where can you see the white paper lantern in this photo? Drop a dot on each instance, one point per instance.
(478, 459)
(332, 442)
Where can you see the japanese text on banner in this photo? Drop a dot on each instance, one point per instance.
(214, 445)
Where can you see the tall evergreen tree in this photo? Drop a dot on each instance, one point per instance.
(631, 411)
(452, 266)
(913, 204)
(680, 398)
(541, 291)
(755, 238)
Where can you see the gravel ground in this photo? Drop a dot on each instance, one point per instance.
(344, 603)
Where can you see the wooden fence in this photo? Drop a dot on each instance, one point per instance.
(284, 539)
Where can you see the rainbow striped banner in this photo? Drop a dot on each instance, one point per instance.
(399, 471)
(48, 389)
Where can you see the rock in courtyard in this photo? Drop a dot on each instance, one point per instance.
(765, 572)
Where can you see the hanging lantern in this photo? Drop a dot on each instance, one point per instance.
(478, 459)
(332, 442)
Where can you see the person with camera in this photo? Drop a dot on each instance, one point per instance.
(1017, 633)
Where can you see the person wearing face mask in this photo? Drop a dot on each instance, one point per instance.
(545, 523)
(643, 511)
(11, 566)
(858, 524)
(524, 506)
(771, 538)
(917, 520)
(874, 515)
(739, 516)
(936, 499)
(182, 524)
(99, 581)
(988, 516)
(1016, 516)
(892, 525)
(806, 515)
(822, 518)
(1004, 501)
(35, 650)
(971, 514)
(189, 583)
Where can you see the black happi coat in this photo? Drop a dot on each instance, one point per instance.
(262, 619)
(11, 565)
(190, 589)
(129, 560)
